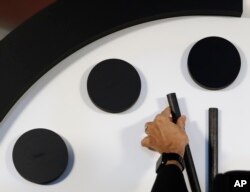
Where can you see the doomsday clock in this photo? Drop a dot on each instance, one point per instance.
(104, 151)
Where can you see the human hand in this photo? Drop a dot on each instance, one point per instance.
(165, 136)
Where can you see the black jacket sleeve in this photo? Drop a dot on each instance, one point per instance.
(170, 179)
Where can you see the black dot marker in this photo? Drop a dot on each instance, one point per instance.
(114, 85)
(40, 156)
(214, 63)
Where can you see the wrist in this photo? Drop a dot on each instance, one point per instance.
(168, 159)
(174, 162)
(180, 152)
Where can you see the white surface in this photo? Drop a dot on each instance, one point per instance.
(106, 147)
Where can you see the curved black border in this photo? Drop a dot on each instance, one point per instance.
(47, 38)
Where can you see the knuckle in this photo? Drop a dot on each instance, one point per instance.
(149, 124)
(150, 141)
(149, 129)
(146, 142)
(158, 117)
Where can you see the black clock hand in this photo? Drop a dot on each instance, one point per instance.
(192, 175)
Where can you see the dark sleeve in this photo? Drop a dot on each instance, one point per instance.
(170, 179)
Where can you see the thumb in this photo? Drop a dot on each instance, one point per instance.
(181, 121)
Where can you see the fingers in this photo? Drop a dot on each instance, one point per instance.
(160, 118)
(148, 142)
(145, 142)
(167, 113)
(149, 128)
(181, 121)
(162, 132)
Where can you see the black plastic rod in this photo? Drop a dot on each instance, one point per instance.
(213, 146)
(188, 159)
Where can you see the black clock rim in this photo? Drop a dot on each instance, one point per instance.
(59, 30)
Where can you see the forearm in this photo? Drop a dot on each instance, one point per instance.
(171, 179)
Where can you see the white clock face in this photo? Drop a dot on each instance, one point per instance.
(105, 150)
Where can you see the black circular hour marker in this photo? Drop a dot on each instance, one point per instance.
(214, 63)
(114, 85)
(40, 156)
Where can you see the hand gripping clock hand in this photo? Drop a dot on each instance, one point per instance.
(165, 136)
